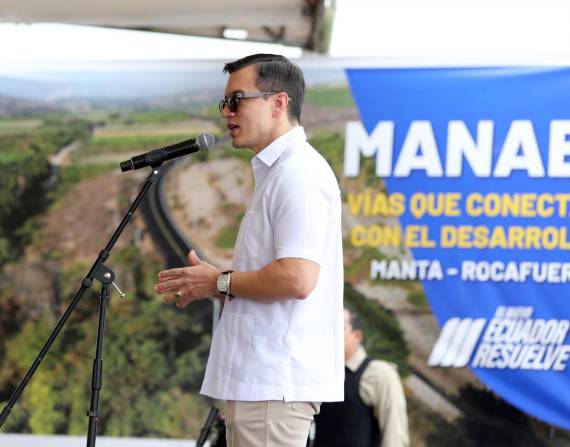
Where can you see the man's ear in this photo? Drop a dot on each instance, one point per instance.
(281, 102)
(359, 335)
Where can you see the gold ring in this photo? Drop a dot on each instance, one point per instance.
(179, 294)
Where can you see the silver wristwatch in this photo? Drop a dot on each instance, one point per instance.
(224, 283)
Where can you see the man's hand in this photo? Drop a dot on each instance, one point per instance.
(187, 284)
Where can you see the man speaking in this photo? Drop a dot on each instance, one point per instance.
(277, 352)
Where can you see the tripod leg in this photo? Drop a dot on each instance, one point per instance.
(97, 377)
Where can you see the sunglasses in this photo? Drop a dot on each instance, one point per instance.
(232, 101)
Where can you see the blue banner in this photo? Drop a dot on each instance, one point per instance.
(476, 165)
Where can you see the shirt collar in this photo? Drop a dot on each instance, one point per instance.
(270, 154)
(356, 359)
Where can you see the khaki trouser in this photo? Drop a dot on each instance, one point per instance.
(271, 423)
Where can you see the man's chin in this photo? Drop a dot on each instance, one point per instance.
(236, 144)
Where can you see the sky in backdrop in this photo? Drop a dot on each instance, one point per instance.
(387, 29)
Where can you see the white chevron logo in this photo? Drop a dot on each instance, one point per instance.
(456, 342)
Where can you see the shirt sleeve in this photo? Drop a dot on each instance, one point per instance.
(381, 388)
(300, 214)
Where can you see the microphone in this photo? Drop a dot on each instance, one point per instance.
(156, 157)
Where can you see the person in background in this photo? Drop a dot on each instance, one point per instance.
(277, 351)
(374, 409)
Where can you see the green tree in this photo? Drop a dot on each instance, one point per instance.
(153, 355)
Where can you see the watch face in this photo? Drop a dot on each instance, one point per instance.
(223, 283)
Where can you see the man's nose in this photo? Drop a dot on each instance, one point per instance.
(226, 112)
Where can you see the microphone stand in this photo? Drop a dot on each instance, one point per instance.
(207, 427)
(106, 276)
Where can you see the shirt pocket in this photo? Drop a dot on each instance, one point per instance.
(253, 237)
(238, 335)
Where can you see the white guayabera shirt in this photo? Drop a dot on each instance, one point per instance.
(293, 349)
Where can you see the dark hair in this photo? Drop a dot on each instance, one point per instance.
(276, 73)
(355, 320)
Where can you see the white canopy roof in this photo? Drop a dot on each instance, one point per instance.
(290, 22)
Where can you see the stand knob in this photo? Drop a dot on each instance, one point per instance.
(121, 294)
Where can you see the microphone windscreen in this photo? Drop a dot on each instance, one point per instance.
(206, 141)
